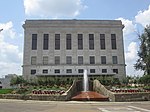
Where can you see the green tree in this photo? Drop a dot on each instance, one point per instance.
(143, 63)
(17, 80)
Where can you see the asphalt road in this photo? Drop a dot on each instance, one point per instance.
(72, 106)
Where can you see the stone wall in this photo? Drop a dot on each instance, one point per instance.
(45, 97)
(120, 97)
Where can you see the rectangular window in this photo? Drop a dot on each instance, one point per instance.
(33, 72)
(115, 71)
(57, 41)
(45, 60)
(103, 59)
(69, 71)
(80, 59)
(80, 41)
(102, 41)
(68, 41)
(45, 41)
(33, 60)
(113, 41)
(92, 70)
(34, 41)
(92, 60)
(57, 71)
(68, 60)
(80, 70)
(104, 70)
(91, 41)
(114, 60)
(57, 60)
(45, 71)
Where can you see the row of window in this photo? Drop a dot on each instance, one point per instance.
(45, 71)
(69, 60)
(69, 41)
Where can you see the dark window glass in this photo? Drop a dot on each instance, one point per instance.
(92, 60)
(104, 70)
(113, 41)
(33, 71)
(57, 60)
(45, 60)
(102, 41)
(45, 71)
(68, 60)
(80, 41)
(57, 70)
(69, 71)
(114, 60)
(92, 70)
(33, 60)
(91, 41)
(34, 41)
(115, 71)
(68, 41)
(80, 59)
(45, 41)
(80, 70)
(57, 41)
(103, 59)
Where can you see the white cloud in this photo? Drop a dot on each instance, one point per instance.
(53, 8)
(131, 54)
(143, 17)
(129, 26)
(10, 55)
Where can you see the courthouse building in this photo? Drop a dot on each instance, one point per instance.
(67, 47)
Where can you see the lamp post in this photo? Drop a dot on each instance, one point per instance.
(1, 30)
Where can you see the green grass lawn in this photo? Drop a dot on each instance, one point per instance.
(5, 91)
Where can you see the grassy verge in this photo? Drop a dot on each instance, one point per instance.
(5, 91)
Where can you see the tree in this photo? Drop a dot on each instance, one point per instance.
(17, 80)
(143, 63)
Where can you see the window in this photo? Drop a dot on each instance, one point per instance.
(33, 60)
(57, 71)
(45, 41)
(57, 60)
(115, 71)
(103, 59)
(69, 71)
(68, 41)
(113, 41)
(68, 60)
(92, 60)
(91, 41)
(102, 41)
(114, 60)
(80, 70)
(34, 41)
(57, 41)
(45, 71)
(80, 41)
(80, 59)
(33, 71)
(92, 70)
(104, 70)
(45, 60)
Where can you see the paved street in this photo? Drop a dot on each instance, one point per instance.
(72, 106)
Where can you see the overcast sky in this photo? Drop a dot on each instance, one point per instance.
(135, 15)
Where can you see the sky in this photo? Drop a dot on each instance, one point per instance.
(134, 14)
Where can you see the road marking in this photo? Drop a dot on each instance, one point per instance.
(116, 109)
(146, 110)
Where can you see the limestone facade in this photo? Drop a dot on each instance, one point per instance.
(78, 47)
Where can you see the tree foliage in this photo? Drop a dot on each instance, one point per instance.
(143, 63)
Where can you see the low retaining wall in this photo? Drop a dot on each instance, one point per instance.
(45, 97)
(120, 97)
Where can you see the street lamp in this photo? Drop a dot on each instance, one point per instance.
(1, 30)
